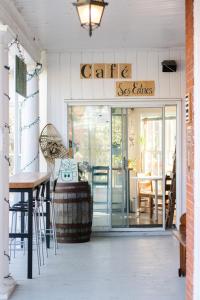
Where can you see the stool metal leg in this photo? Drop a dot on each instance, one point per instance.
(15, 240)
(37, 242)
(43, 222)
(54, 225)
(12, 239)
(40, 232)
(51, 232)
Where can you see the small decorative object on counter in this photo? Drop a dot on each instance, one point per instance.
(66, 170)
(83, 169)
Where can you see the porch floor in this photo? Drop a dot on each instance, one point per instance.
(107, 268)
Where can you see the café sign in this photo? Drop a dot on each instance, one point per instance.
(135, 88)
(108, 71)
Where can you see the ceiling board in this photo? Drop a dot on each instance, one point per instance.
(126, 24)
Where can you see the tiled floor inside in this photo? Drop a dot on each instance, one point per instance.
(107, 268)
(119, 220)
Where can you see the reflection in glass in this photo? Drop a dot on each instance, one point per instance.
(89, 138)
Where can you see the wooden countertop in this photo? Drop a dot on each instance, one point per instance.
(28, 180)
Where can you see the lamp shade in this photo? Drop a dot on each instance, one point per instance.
(90, 13)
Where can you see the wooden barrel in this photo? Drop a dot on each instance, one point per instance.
(73, 207)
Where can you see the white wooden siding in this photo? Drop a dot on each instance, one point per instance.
(64, 76)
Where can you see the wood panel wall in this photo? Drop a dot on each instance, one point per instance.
(64, 77)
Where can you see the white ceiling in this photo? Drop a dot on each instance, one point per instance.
(125, 24)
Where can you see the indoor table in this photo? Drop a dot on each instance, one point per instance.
(28, 182)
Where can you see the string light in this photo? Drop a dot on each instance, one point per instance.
(31, 124)
(17, 43)
(7, 255)
(8, 276)
(7, 96)
(29, 164)
(29, 97)
(7, 159)
(7, 201)
(30, 76)
(5, 125)
(36, 72)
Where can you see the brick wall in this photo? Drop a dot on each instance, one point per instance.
(190, 149)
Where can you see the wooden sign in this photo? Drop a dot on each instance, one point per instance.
(108, 71)
(135, 88)
(21, 73)
(112, 71)
(125, 71)
(99, 71)
(187, 109)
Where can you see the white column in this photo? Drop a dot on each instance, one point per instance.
(7, 284)
(43, 104)
(196, 277)
(30, 135)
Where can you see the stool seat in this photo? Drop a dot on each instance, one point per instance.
(19, 207)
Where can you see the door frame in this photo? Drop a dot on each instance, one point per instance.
(142, 103)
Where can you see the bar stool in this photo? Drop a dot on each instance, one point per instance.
(22, 208)
(51, 232)
(39, 218)
(14, 223)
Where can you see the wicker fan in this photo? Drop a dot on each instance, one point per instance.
(51, 144)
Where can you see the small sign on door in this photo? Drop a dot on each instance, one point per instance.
(187, 108)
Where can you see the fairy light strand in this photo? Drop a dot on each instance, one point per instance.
(37, 120)
(31, 162)
(29, 97)
(36, 72)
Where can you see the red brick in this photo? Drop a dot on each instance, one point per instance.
(190, 147)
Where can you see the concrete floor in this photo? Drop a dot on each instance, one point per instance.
(117, 268)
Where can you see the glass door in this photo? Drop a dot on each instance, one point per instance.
(137, 167)
(119, 217)
(128, 155)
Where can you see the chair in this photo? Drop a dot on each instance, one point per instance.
(168, 187)
(21, 208)
(100, 178)
(168, 182)
(145, 192)
(52, 230)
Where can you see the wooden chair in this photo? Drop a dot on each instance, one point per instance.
(145, 192)
(168, 182)
(100, 177)
(169, 188)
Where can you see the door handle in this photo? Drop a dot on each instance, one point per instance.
(125, 163)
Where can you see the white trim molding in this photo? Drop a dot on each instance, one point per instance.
(196, 277)
(138, 103)
(7, 284)
(9, 15)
